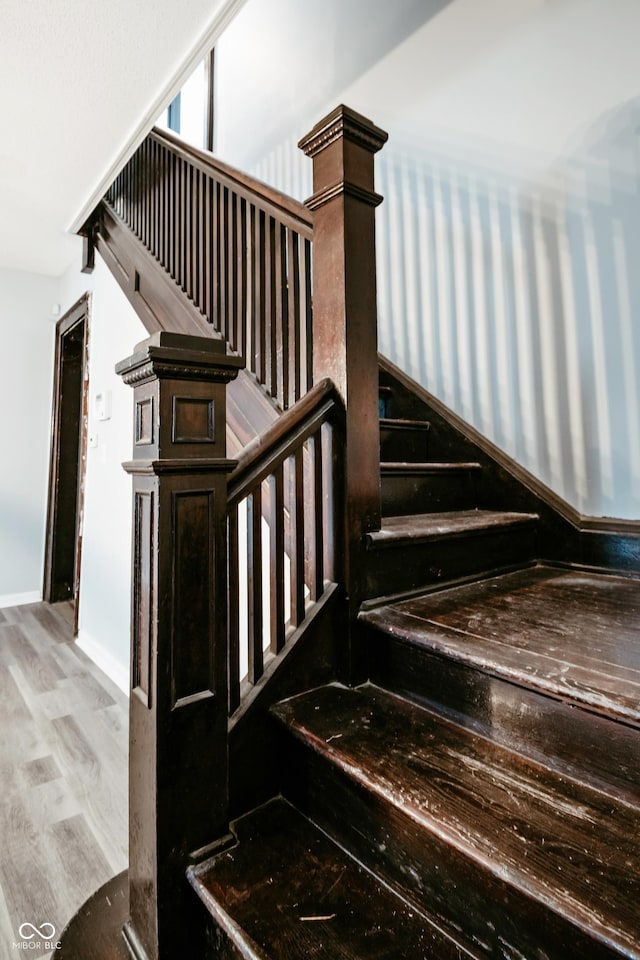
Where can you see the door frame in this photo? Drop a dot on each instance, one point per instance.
(74, 320)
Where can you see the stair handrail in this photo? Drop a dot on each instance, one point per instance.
(239, 249)
(299, 458)
(251, 188)
(265, 449)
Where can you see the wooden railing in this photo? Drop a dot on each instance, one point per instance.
(232, 563)
(240, 250)
(281, 533)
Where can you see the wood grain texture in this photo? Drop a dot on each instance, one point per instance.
(331, 909)
(572, 635)
(63, 769)
(478, 835)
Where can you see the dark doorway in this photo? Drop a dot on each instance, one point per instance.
(68, 456)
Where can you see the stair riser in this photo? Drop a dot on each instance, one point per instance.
(410, 566)
(593, 749)
(428, 493)
(498, 920)
(403, 444)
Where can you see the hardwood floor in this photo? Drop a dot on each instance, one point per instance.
(63, 771)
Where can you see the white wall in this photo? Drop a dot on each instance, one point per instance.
(26, 377)
(105, 591)
(511, 224)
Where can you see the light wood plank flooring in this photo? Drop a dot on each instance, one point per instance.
(63, 773)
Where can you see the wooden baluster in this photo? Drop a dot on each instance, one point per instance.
(233, 581)
(145, 193)
(171, 220)
(270, 336)
(258, 316)
(207, 240)
(192, 251)
(138, 194)
(332, 446)
(307, 369)
(148, 193)
(251, 345)
(156, 200)
(163, 212)
(282, 314)
(181, 232)
(201, 260)
(254, 584)
(131, 195)
(179, 241)
(178, 801)
(276, 564)
(223, 253)
(168, 179)
(187, 248)
(239, 344)
(276, 311)
(296, 520)
(232, 268)
(215, 256)
(182, 212)
(126, 194)
(345, 316)
(294, 315)
(316, 581)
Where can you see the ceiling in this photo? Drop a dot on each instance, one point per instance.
(82, 83)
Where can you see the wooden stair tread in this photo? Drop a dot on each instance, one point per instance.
(435, 526)
(287, 891)
(394, 423)
(571, 635)
(409, 467)
(557, 841)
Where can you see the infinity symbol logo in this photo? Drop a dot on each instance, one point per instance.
(42, 932)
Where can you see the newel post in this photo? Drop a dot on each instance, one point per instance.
(178, 783)
(345, 339)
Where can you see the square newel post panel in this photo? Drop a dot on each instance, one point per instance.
(345, 340)
(178, 777)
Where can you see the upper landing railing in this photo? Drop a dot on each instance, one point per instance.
(240, 250)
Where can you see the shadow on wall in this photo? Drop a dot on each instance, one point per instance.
(514, 298)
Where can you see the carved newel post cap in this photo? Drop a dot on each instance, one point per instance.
(342, 147)
(343, 122)
(179, 356)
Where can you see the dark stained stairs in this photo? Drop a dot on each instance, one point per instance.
(480, 795)
(436, 526)
(331, 906)
(495, 812)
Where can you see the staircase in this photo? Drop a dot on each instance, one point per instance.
(432, 748)
(479, 796)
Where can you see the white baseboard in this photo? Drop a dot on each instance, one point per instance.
(18, 599)
(104, 659)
